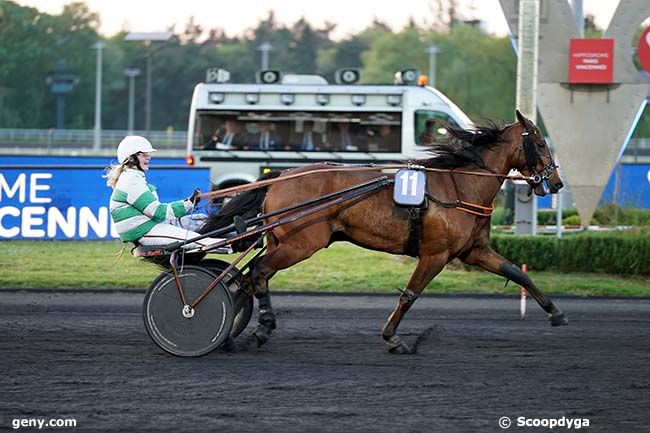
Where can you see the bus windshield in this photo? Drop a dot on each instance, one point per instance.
(317, 131)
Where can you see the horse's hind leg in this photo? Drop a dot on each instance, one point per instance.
(489, 260)
(427, 268)
(280, 256)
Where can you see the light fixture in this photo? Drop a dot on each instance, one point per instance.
(252, 98)
(322, 98)
(358, 99)
(407, 76)
(216, 97)
(394, 100)
(268, 76)
(217, 75)
(347, 76)
(287, 98)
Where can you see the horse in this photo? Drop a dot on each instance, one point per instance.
(463, 176)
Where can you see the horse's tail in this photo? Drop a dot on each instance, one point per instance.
(247, 205)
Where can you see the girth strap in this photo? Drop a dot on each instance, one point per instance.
(415, 228)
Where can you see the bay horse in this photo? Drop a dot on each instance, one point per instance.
(375, 222)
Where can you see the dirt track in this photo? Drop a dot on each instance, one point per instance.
(87, 356)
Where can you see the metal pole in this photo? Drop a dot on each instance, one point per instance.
(131, 73)
(558, 215)
(60, 111)
(265, 48)
(579, 15)
(147, 116)
(432, 50)
(527, 72)
(97, 142)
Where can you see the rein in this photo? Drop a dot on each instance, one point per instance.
(227, 192)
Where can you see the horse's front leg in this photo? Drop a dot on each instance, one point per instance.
(427, 268)
(489, 260)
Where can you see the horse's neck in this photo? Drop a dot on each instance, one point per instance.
(483, 189)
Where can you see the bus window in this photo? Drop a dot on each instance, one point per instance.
(299, 131)
(430, 125)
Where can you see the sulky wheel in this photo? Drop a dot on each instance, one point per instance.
(243, 316)
(186, 331)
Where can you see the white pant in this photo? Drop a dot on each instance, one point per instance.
(181, 229)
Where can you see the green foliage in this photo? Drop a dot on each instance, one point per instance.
(571, 220)
(549, 217)
(612, 253)
(613, 215)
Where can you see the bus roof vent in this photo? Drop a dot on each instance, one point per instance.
(303, 79)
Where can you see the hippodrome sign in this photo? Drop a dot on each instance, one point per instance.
(591, 60)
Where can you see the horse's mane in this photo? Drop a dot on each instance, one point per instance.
(463, 147)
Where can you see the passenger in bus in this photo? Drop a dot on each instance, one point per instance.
(136, 211)
(428, 136)
(383, 140)
(341, 140)
(228, 137)
(265, 139)
(308, 139)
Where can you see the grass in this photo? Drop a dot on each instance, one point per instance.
(340, 268)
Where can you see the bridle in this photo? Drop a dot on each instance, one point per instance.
(532, 158)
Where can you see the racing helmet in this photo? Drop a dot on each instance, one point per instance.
(132, 144)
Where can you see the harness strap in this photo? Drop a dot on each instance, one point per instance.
(471, 208)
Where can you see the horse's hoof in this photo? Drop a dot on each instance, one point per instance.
(558, 319)
(397, 346)
(261, 335)
(229, 345)
(402, 349)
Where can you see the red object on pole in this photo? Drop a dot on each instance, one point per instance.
(643, 50)
(522, 303)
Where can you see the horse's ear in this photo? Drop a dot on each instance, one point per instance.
(521, 118)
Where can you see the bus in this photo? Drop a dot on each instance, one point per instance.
(240, 131)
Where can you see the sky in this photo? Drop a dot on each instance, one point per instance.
(235, 17)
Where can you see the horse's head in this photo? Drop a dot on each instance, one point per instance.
(533, 158)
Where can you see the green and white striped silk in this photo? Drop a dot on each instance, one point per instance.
(135, 207)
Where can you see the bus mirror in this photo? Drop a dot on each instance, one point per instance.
(268, 76)
(347, 76)
(407, 76)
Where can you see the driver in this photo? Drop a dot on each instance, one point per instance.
(137, 213)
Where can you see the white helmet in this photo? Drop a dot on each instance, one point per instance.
(132, 144)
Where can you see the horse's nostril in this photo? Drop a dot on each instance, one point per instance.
(558, 186)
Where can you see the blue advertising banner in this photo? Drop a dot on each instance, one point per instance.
(633, 186)
(71, 202)
(103, 161)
